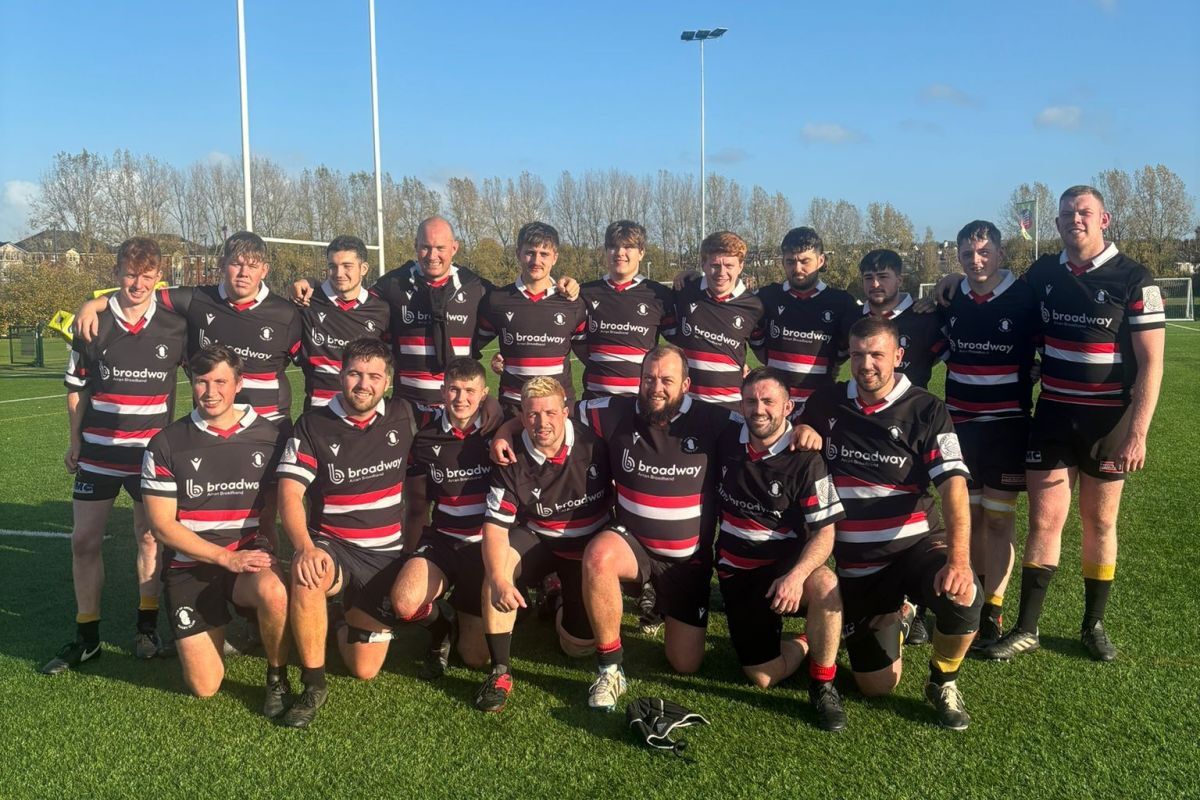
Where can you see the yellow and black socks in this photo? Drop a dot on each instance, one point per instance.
(943, 668)
(1097, 582)
(1035, 579)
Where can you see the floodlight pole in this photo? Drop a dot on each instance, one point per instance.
(701, 36)
(375, 126)
(241, 16)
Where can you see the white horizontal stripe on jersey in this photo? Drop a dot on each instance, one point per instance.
(1082, 358)
(918, 528)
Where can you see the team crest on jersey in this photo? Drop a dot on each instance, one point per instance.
(904, 342)
(595, 303)
(461, 297)
(1152, 300)
(948, 444)
(289, 452)
(827, 315)
(894, 432)
(775, 488)
(266, 333)
(209, 318)
(826, 492)
(692, 307)
(593, 471)
(162, 351)
(371, 325)
(1006, 325)
(185, 617)
(691, 444)
(258, 459)
(508, 315)
(321, 316)
(393, 438)
(738, 322)
(643, 309)
(196, 463)
(105, 372)
(560, 318)
(437, 449)
(1101, 297)
(334, 448)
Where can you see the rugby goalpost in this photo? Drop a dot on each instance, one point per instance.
(246, 179)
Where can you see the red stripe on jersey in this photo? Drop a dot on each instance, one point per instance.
(462, 500)
(564, 524)
(617, 350)
(614, 381)
(846, 481)
(306, 460)
(596, 427)
(1083, 347)
(130, 399)
(295, 348)
(361, 533)
(216, 515)
(260, 376)
(534, 362)
(109, 465)
(162, 472)
(326, 393)
(686, 501)
(670, 544)
(982, 408)
(322, 361)
(1074, 399)
(797, 358)
(1051, 382)
(932, 454)
(867, 525)
(716, 391)
(507, 508)
(741, 562)
(364, 497)
(980, 369)
(111, 433)
(713, 358)
(262, 411)
(746, 523)
(164, 297)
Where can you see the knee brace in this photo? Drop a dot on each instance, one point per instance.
(998, 507)
(955, 619)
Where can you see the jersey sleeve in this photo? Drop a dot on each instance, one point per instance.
(79, 366)
(299, 460)
(158, 473)
(502, 499)
(940, 450)
(295, 334)
(485, 329)
(1146, 311)
(666, 321)
(176, 298)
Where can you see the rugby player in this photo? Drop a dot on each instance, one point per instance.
(991, 330)
(625, 314)
(205, 479)
(341, 311)
(921, 345)
(1104, 326)
(778, 509)
(450, 455)
(717, 317)
(349, 460)
(120, 392)
(534, 321)
(542, 510)
(886, 440)
(804, 331)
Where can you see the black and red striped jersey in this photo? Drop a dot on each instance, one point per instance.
(354, 471)
(264, 331)
(565, 500)
(128, 373)
(457, 470)
(804, 335)
(1088, 321)
(664, 476)
(772, 500)
(992, 339)
(218, 478)
(535, 334)
(883, 457)
(623, 324)
(714, 332)
(922, 340)
(329, 324)
(431, 322)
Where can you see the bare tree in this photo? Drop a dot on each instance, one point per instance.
(726, 204)
(888, 227)
(1162, 210)
(567, 207)
(1117, 188)
(466, 211)
(71, 196)
(274, 198)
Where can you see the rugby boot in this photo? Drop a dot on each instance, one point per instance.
(1096, 640)
(494, 692)
(608, 687)
(1011, 645)
(304, 710)
(146, 644)
(828, 705)
(276, 700)
(948, 700)
(71, 656)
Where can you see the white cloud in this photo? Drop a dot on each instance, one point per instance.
(945, 93)
(16, 201)
(829, 133)
(1067, 118)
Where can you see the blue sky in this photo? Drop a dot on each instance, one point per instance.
(939, 108)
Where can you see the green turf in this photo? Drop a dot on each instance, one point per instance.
(1049, 725)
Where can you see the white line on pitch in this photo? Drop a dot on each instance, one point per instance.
(53, 396)
(38, 534)
(1183, 327)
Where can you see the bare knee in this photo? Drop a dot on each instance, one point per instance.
(405, 604)
(600, 558)
(204, 686)
(685, 663)
(822, 589)
(758, 678)
(473, 656)
(877, 684)
(86, 543)
(364, 672)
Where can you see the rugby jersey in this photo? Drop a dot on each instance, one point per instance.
(431, 322)
(535, 333)
(883, 457)
(664, 476)
(804, 335)
(623, 324)
(264, 331)
(218, 478)
(992, 339)
(129, 373)
(565, 500)
(770, 500)
(1088, 321)
(329, 324)
(713, 333)
(457, 470)
(920, 336)
(354, 471)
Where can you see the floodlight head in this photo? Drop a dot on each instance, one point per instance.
(687, 36)
(703, 34)
(718, 33)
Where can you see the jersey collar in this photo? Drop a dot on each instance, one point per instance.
(550, 290)
(902, 386)
(738, 289)
(624, 287)
(780, 446)
(905, 303)
(417, 272)
(335, 405)
(344, 305)
(1096, 262)
(449, 428)
(1008, 280)
(248, 417)
(537, 455)
(809, 295)
(249, 305)
(118, 313)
